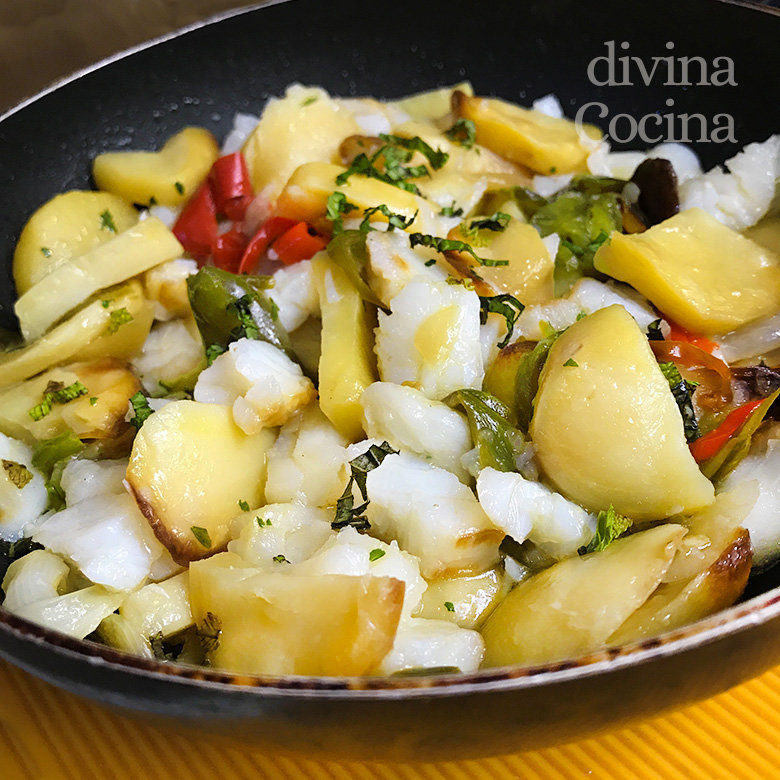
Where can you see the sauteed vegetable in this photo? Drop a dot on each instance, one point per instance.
(381, 388)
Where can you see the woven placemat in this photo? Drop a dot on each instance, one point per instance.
(46, 734)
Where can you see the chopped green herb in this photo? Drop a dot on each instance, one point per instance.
(463, 132)
(46, 251)
(247, 327)
(507, 306)
(449, 245)
(141, 410)
(654, 332)
(336, 207)
(436, 157)
(93, 400)
(152, 201)
(682, 390)
(571, 363)
(107, 221)
(50, 456)
(610, 526)
(209, 633)
(497, 223)
(19, 474)
(393, 220)
(347, 514)
(429, 263)
(213, 352)
(376, 554)
(57, 393)
(451, 211)
(243, 505)
(580, 316)
(553, 169)
(449, 606)
(106, 303)
(308, 101)
(461, 282)
(279, 559)
(202, 535)
(274, 310)
(118, 318)
(263, 523)
(179, 187)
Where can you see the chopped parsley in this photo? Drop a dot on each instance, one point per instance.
(45, 251)
(57, 393)
(337, 206)
(393, 220)
(263, 523)
(682, 390)
(209, 633)
(118, 318)
(392, 157)
(213, 352)
(93, 400)
(19, 474)
(449, 606)
(463, 132)
(50, 456)
(571, 363)
(654, 332)
(279, 559)
(610, 525)
(141, 409)
(243, 506)
(107, 221)
(106, 303)
(507, 306)
(179, 187)
(347, 514)
(429, 263)
(247, 327)
(308, 101)
(497, 223)
(449, 245)
(376, 554)
(202, 535)
(451, 211)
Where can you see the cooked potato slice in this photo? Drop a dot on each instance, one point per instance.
(279, 623)
(576, 605)
(606, 427)
(189, 468)
(433, 104)
(305, 195)
(466, 601)
(128, 254)
(88, 334)
(302, 127)
(706, 276)
(169, 176)
(543, 143)
(529, 275)
(347, 363)
(678, 604)
(107, 380)
(67, 226)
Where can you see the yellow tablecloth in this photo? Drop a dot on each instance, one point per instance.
(49, 735)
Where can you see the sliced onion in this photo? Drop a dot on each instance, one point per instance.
(756, 338)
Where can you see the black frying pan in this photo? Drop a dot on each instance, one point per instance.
(519, 51)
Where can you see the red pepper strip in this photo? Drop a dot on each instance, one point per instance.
(678, 333)
(709, 444)
(268, 232)
(196, 227)
(231, 186)
(299, 243)
(228, 249)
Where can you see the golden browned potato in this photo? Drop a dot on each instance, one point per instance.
(168, 177)
(542, 143)
(97, 414)
(606, 427)
(704, 275)
(67, 226)
(258, 622)
(89, 333)
(576, 605)
(190, 467)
